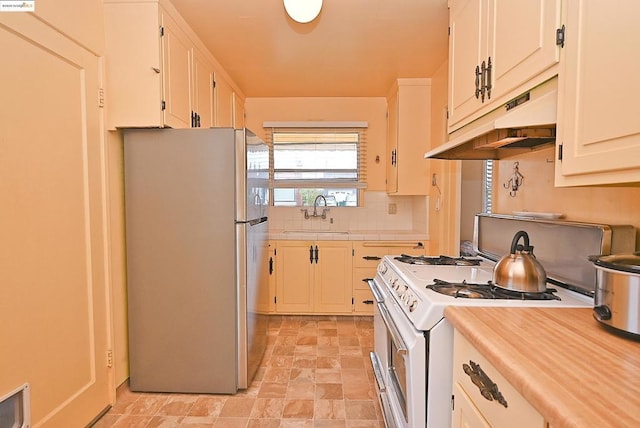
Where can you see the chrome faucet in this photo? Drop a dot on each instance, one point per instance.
(315, 206)
(315, 209)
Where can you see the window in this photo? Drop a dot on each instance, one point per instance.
(487, 192)
(308, 162)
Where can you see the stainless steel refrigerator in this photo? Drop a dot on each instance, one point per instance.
(196, 243)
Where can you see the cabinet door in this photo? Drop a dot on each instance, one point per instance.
(409, 137)
(522, 41)
(133, 70)
(332, 277)
(202, 77)
(224, 103)
(517, 38)
(598, 127)
(465, 414)
(53, 311)
(392, 143)
(176, 48)
(294, 277)
(265, 298)
(467, 44)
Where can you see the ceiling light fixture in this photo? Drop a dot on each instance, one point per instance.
(303, 11)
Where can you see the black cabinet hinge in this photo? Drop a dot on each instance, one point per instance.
(164, 105)
(213, 83)
(560, 36)
(453, 402)
(275, 299)
(161, 31)
(449, 31)
(353, 301)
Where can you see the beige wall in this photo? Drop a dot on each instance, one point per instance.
(371, 110)
(608, 205)
(444, 200)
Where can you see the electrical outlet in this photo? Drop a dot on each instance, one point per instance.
(393, 208)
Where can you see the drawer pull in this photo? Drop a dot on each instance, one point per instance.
(371, 258)
(488, 389)
(368, 302)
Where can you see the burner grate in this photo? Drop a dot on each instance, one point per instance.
(487, 290)
(439, 260)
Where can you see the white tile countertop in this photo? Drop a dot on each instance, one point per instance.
(350, 235)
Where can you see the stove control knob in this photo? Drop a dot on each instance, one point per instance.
(413, 305)
(382, 268)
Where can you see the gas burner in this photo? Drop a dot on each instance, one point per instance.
(487, 290)
(440, 260)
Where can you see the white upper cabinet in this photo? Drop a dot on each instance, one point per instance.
(598, 129)
(203, 90)
(176, 77)
(409, 133)
(159, 74)
(497, 50)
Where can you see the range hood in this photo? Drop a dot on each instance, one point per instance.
(521, 125)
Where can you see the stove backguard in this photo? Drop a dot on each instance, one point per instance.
(562, 247)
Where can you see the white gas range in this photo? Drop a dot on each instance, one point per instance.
(414, 342)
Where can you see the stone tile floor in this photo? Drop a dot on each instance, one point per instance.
(316, 372)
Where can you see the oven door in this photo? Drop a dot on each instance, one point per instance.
(405, 369)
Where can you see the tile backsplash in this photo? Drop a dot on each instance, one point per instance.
(410, 215)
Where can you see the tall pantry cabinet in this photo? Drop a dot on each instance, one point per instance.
(54, 261)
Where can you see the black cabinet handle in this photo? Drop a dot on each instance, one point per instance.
(489, 85)
(371, 257)
(483, 87)
(316, 254)
(368, 302)
(270, 265)
(478, 81)
(193, 119)
(311, 254)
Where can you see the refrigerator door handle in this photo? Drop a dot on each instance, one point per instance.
(253, 222)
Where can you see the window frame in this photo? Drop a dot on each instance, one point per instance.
(330, 128)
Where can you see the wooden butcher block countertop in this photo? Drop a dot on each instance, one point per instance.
(571, 369)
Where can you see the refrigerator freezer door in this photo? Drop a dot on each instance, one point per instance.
(252, 176)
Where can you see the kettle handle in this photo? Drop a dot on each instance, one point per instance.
(516, 238)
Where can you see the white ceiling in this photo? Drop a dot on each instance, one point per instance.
(354, 48)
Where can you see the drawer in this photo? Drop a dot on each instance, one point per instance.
(360, 274)
(367, 256)
(363, 302)
(518, 408)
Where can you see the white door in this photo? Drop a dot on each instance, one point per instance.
(53, 258)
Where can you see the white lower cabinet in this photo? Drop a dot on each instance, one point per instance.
(313, 277)
(366, 257)
(482, 397)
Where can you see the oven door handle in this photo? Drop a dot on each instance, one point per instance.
(377, 294)
(393, 330)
